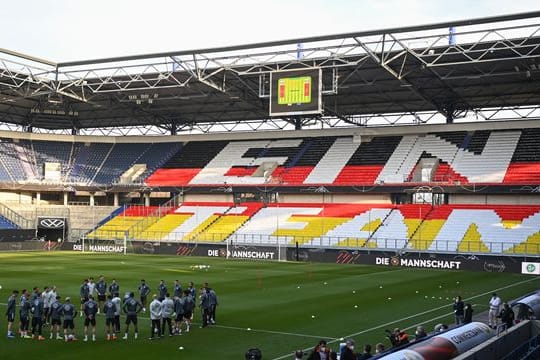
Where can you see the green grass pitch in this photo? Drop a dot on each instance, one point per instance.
(285, 305)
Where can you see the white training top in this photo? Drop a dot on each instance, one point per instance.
(155, 309)
(495, 303)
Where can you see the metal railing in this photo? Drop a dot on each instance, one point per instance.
(16, 218)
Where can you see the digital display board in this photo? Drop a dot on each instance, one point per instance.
(295, 92)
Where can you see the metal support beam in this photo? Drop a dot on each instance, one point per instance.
(224, 89)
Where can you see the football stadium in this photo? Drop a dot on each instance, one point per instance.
(320, 194)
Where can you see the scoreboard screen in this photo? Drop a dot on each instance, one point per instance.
(295, 92)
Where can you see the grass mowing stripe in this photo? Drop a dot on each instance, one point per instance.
(294, 298)
(414, 315)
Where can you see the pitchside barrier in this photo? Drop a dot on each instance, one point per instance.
(281, 252)
(35, 245)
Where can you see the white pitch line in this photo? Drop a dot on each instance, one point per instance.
(243, 329)
(415, 315)
(274, 332)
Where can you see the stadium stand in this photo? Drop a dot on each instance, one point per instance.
(454, 158)
(506, 157)
(53, 152)
(89, 161)
(446, 228)
(12, 158)
(341, 161)
(7, 224)
(480, 228)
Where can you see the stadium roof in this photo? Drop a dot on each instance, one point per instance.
(488, 68)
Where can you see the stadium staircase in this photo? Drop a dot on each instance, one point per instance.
(373, 244)
(392, 171)
(12, 220)
(422, 228)
(229, 222)
(209, 230)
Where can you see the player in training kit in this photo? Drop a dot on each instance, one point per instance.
(144, 290)
(24, 315)
(162, 289)
(84, 291)
(56, 310)
(192, 290)
(131, 307)
(90, 311)
(155, 317)
(10, 312)
(118, 305)
(46, 304)
(189, 305)
(204, 303)
(91, 286)
(101, 289)
(167, 309)
(109, 310)
(37, 317)
(177, 289)
(114, 288)
(212, 296)
(52, 299)
(179, 310)
(69, 312)
(35, 294)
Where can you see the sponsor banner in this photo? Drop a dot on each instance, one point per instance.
(468, 336)
(251, 254)
(100, 248)
(16, 235)
(530, 268)
(28, 246)
(419, 263)
(51, 223)
(244, 252)
(367, 257)
(418, 260)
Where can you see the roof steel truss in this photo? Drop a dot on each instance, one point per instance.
(412, 74)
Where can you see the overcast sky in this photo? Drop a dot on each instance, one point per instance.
(74, 30)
